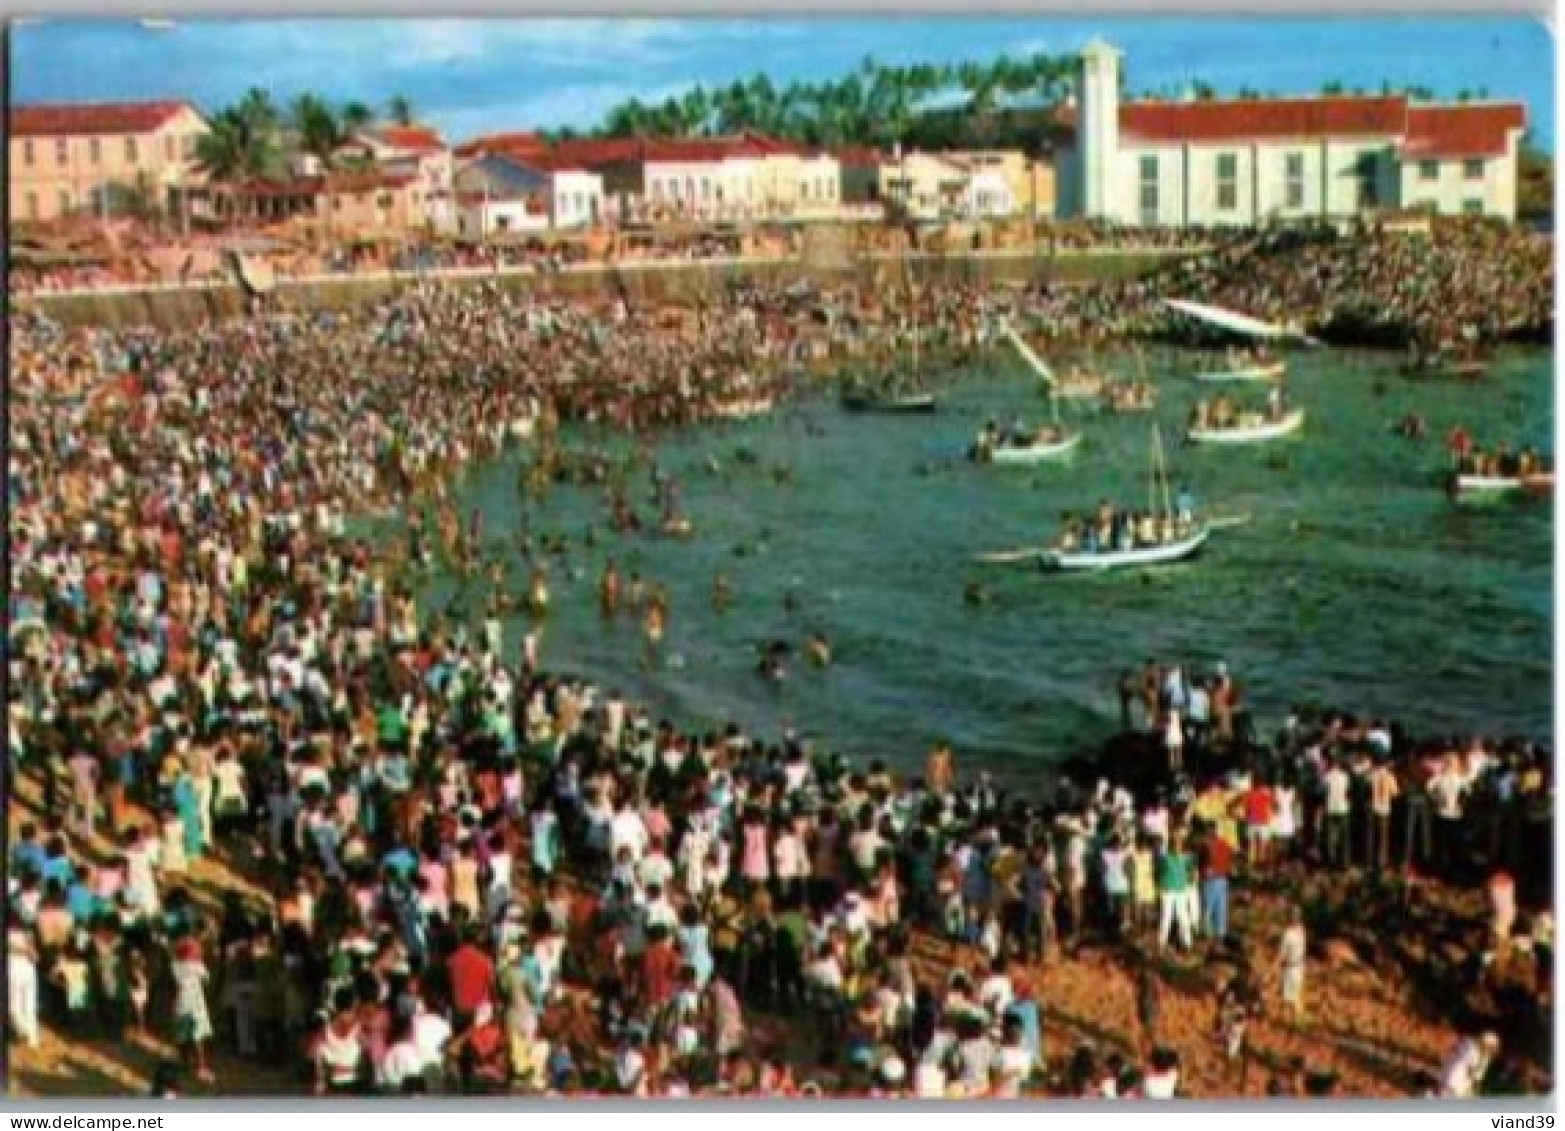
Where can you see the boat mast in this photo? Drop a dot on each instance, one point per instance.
(1160, 475)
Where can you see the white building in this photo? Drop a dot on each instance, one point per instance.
(722, 179)
(988, 196)
(479, 216)
(1250, 162)
(533, 185)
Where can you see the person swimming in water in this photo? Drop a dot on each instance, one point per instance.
(819, 650)
(722, 593)
(608, 590)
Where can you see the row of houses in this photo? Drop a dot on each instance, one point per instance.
(1167, 164)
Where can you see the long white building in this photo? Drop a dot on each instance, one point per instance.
(1255, 161)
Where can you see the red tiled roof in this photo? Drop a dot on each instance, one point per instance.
(589, 152)
(546, 161)
(62, 119)
(859, 157)
(1268, 118)
(502, 143)
(418, 139)
(1241, 119)
(1475, 130)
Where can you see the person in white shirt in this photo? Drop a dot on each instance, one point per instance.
(1448, 791)
(403, 1061)
(431, 1033)
(1339, 808)
(995, 992)
(1464, 1070)
(628, 830)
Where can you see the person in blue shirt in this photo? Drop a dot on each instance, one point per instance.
(27, 855)
(1030, 1016)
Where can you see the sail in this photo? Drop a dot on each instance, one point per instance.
(1027, 354)
(1232, 321)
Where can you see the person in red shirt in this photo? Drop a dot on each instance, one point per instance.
(659, 968)
(1217, 861)
(472, 977)
(1260, 807)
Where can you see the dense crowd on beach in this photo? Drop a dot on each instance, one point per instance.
(480, 876)
(1462, 283)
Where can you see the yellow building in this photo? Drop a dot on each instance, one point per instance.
(990, 184)
(1030, 182)
(92, 157)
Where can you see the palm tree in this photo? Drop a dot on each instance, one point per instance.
(400, 109)
(317, 128)
(355, 116)
(240, 145)
(260, 114)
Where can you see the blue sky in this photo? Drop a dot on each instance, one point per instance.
(469, 77)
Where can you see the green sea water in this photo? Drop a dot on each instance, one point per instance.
(1355, 581)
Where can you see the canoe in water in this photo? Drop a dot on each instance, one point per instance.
(875, 402)
(1022, 455)
(1268, 372)
(1290, 423)
(1084, 561)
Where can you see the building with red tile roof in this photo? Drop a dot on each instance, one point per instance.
(97, 157)
(1254, 161)
(375, 201)
(421, 154)
(101, 119)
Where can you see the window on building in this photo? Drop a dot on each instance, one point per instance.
(706, 188)
(1473, 169)
(1472, 207)
(65, 202)
(189, 145)
(1149, 190)
(1429, 170)
(1293, 182)
(690, 189)
(60, 155)
(170, 149)
(804, 190)
(130, 150)
(1227, 182)
(27, 152)
(657, 190)
(32, 206)
(94, 151)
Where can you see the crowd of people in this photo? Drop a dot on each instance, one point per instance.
(1114, 529)
(1465, 281)
(469, 874)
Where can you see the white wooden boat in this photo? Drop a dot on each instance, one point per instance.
(1477, 487)
(1248, 433)
(1020, 455)
(744, 409)
(1079, 386)
(1082, 561)
(1268, 371)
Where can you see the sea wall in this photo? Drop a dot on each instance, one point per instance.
(170, 306)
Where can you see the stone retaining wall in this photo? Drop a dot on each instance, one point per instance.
(172, 306)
